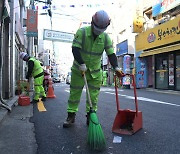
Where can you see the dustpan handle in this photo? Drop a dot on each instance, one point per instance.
(87, 90)
(116, 91)
(135, 94)
(134, 88)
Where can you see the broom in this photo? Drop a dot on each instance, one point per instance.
(96, 139)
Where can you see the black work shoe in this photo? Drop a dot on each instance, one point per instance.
(34, 101)
(88, 118)
(70, 120)
(43, 98)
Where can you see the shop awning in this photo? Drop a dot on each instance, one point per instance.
(160, 50)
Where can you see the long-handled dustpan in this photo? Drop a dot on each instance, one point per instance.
(127, 121)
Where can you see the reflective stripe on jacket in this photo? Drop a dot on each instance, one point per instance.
(37, 69)
(92, 50)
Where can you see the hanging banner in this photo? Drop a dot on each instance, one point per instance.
(32, 23)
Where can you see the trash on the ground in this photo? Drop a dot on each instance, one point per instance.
(23, 118)
(117, 139)
(110, 147)
(78, 147)
(62, 148)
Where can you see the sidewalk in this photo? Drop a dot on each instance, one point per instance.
(16, 132)
(164, 91)
(4, 112)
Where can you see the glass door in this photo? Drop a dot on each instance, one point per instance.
(178, 72)
(161, 71)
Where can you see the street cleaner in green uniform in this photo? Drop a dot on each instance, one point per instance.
(35, 70)
(87, 48)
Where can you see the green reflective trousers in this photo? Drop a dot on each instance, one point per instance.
(76, 87)
(38, 87)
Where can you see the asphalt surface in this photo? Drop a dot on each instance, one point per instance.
(42, 132)
(160, 133)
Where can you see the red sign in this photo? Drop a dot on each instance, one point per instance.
(32, 20)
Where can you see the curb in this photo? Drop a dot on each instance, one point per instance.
(164, 91)
(4, 112)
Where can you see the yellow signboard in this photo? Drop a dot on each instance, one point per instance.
(166, 33)
(138, 24)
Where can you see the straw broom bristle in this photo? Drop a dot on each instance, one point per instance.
(96, 139)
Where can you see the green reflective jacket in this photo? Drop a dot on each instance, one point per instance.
(37, 69)
(91, 50)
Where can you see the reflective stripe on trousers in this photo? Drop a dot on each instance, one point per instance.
(38, 87)
(77, 84)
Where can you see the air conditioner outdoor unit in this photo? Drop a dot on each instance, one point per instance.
(164, 19)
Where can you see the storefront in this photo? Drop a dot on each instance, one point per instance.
(160, 49)
(125, 54)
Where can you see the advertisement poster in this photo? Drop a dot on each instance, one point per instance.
(141, 73)
(126, 69)
(171, 70)
(32, 23)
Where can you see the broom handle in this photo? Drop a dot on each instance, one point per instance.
(87, 90)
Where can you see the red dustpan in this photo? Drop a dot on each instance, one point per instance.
(127, 121)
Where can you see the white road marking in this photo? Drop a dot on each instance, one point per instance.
(109, 89)
(67, 91)
(144, 99)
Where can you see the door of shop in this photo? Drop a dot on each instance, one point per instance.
(161, 71)
(177, 71)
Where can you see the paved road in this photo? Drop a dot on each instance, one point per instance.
(160, 133)
(43, 133)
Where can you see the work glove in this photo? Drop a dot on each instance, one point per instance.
(119, 73)
(83, 68)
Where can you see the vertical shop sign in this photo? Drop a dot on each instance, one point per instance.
(126, 69)
(32, 20)
(141, 73)
(171, 70)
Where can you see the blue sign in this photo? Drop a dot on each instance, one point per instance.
(141, 73)
(163, 6)
(156, 9)
(122, 48)
(32, 34)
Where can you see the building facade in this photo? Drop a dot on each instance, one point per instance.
(13, 40)
(158, 53)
